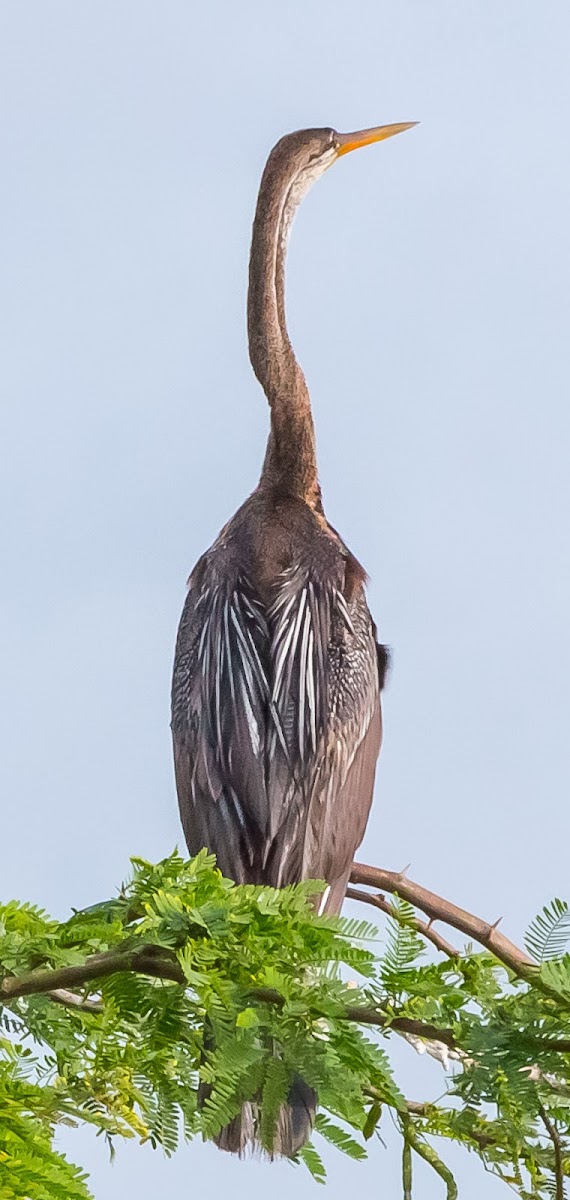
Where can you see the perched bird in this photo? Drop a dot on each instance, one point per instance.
(276, 715)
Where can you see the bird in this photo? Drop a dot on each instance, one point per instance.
(278, 671)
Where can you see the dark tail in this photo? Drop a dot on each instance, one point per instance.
(297, 1116)
(294, 1125)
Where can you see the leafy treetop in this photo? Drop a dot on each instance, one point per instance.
(116, 1015)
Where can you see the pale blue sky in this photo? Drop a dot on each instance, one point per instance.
(428, 297)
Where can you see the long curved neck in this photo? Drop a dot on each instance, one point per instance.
(290, 461)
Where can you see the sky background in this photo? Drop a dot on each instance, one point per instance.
(428, 303)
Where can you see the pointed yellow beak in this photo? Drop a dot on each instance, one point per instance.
(353, 141)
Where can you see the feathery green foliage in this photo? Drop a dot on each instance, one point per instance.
(547, 936)
(200, 982)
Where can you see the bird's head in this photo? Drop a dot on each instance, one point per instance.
(300, 158)
(304, 156)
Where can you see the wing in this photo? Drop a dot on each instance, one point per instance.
(275, 723)
(220, 703)
(322, 831)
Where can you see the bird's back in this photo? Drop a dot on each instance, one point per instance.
(275, 701)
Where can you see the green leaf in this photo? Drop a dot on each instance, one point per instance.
(556, 973)
(372, 1119)
(547, 936)
(157, 1060)
(404, 944)
(308, 1155)
(274, 1095)
(247, 1018)
(339, 1137)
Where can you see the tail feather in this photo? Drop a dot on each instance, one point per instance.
(294, 1125)
(296, 1119)
(239, 1134)
(297, 1116)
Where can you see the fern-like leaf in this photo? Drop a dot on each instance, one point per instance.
(275, 1088)
(313, 1161)
(547, 936)
(404, 945)
(339, 1137)
(556, 973)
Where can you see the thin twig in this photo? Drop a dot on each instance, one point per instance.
(422, 1029)
(148, 960)
(556, 1045)
(423, 927)
(406, 1161)
(439, 909)
(558, 1160)
(363, 1014)
(71, 1000)
(428, 1153)
(422, 1108)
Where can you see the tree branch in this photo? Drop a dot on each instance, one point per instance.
(156, 961)
(558, 1161)
(423, 927)
(148, 960)
(424, 1108)
(422, 1029)
(71, 1000)
(162, 964)
(439, 909)
(428, 1153)
(370, 1015)
(406, 1161)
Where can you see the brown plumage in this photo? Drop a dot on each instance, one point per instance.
(277, 677)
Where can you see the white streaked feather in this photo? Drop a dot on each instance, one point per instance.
(323, 900)
(251, 722)
(249, 667)
(247, 643)
(287, 686)
(305, 669)
(218, 693)
(286, 646)
(311, 698)
(282, 603)
(229, 657)
(343, 606)
(238, 809)
(290, 640)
